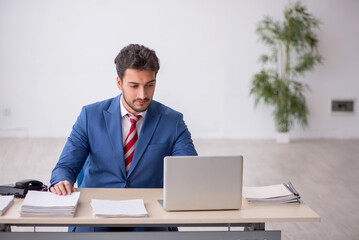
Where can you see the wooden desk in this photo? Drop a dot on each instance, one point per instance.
(247, 216)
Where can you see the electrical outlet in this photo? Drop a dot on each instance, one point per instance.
(6, 112)
(342, 106)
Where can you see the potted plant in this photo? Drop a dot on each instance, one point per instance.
(293, 51)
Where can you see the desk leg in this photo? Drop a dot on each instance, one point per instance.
(5, 228)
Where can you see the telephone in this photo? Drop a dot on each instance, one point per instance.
(20, 188)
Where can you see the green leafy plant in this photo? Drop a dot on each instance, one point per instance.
(294, 51)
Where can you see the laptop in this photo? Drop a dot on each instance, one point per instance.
(202, 183)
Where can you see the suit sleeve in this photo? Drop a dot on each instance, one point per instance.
(183, 145)
(74, 153)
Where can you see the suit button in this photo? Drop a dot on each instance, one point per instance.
(128, 182)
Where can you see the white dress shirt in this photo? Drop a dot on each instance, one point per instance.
(126, 122)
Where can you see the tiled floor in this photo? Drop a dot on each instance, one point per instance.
(325, 172)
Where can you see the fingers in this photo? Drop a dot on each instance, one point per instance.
(62, 188)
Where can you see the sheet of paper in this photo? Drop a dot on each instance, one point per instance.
(5, 202)
(49, 204)
(48, 199)
(271, 191)
(122, 208)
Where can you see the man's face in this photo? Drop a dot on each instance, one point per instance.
(138, 87)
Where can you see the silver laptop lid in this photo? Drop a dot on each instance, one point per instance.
(202, 183)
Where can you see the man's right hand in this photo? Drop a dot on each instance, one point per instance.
(62, 188)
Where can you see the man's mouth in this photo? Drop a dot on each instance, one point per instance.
(141, 101)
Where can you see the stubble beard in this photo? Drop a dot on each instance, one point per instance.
(132, 106)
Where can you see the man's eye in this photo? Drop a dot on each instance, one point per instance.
(133, 86)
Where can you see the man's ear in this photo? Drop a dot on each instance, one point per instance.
(119, 83)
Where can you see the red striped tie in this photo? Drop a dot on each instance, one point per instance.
(130, 142)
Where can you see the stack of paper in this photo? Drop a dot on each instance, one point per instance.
(123, 208)
(5, 202)
(49, 204)
(273, 194)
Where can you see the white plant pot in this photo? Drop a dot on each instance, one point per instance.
(283, 137)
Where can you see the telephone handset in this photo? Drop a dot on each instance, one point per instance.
(20, 188)
(30, 184)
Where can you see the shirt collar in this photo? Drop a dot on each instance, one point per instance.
(124, 110)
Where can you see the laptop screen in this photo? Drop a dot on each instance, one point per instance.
(202, 183)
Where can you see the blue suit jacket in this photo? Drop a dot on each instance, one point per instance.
(96, 138)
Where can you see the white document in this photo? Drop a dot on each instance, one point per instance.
(48, 199)
(5, 202)
(272, 191)
(123, 208)
(49, 204)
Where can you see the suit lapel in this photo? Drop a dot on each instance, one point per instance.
(114, 129)
(148, 128)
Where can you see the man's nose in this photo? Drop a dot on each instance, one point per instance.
(141, 93)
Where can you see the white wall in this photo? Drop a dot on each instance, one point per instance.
(56, 56)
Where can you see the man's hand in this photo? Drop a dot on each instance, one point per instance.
(62, 188)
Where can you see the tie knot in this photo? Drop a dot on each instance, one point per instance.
(133, 118)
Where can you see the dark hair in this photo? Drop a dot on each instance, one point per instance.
(138, 57)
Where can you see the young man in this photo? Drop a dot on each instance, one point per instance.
(123, 140)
